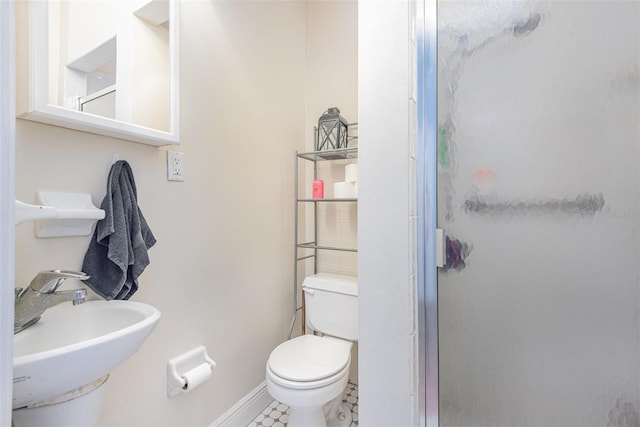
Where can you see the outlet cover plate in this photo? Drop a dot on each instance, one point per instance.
(175, 166)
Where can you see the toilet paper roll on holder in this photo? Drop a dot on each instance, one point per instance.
(179, 367)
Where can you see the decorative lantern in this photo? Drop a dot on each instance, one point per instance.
(331, 133)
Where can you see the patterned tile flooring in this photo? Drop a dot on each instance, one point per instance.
(277, 414)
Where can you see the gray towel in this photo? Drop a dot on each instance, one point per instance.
(117, 254)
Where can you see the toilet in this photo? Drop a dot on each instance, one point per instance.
(309, 373)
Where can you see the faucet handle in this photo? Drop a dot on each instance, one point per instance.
(48, 281)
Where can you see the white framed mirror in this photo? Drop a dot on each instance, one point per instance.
(100, 66)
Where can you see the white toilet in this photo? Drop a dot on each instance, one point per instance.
(309, 373)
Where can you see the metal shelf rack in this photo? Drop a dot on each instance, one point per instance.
(314, 157)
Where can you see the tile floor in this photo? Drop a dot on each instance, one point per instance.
(277, 414)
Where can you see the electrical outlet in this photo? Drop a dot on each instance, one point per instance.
(175, 166)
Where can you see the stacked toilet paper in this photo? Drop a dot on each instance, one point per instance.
(348, 189)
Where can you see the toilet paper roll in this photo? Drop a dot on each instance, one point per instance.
(343, 190)
(351, 172)
(196, 376)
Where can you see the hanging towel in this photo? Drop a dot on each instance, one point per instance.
(117, 253)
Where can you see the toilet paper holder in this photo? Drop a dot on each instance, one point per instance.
(192, 364)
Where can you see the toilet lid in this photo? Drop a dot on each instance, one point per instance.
(309, 358)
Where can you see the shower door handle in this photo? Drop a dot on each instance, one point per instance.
(441, 248)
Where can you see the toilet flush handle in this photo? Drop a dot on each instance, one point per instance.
(309, 291)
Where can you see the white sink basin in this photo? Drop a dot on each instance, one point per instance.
(72, 346)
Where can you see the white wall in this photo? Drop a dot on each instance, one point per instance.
(221, 271)
(387, 224)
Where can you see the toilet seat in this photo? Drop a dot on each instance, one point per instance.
(307, 385)
(309, 361)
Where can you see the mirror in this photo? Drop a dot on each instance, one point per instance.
(100, 66)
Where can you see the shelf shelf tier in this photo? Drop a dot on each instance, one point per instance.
(341, 154)
(328, 200)
(328, 248)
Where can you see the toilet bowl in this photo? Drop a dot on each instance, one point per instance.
(309, 373)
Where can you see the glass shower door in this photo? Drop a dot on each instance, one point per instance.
(538, 152)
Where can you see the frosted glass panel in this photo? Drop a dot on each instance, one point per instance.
(539, 197)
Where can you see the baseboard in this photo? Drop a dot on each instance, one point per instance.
(247, 408)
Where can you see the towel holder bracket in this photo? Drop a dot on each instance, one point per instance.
(58, 214)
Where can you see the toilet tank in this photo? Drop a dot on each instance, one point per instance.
(331, 302)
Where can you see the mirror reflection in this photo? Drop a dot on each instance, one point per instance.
(111, 59)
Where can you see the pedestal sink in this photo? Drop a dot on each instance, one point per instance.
(68, 354)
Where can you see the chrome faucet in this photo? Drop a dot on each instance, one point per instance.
(41, 294)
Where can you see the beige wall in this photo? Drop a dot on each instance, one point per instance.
(150, 75)
(77, 28)
(332, 81)
(332, 64)
(221, 272)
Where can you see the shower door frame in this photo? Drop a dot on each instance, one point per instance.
(7, 196)
(427, 279)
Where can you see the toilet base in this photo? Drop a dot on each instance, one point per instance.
(332, 414)
(336, 414)
(306, 416)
